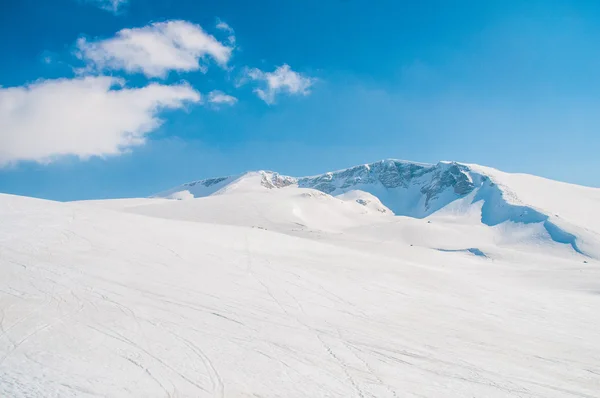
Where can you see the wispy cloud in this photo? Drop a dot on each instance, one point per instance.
(219, 97)
(283, 80)
(84, 117)
(224, 26)
(154, 50)
(109, 5)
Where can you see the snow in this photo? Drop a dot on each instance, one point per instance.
(468, 192)
(369, 201)
(256, 287)
(569, 202)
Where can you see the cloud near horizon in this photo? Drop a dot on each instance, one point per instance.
(82, 117)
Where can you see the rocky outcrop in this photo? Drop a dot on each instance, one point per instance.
(207, 183)
(447, 176)
(429, 181)
(272, 180)
(388, 173)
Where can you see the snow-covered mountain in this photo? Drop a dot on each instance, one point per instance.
(420, 190)
(391, 279)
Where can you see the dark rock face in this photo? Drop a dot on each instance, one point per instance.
(394, 174)
(453, 175)
(397, 174)
(206, 183)
(390, 173)
(275, 180)
(428, 180)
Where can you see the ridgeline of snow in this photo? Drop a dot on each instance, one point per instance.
(216, 186)
(555, 210)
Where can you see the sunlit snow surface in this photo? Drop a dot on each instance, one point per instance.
(291, 292)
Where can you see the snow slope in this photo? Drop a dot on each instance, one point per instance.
(247, 201)
(263, 288)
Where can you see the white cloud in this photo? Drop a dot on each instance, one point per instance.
(219, 97)
(108, 5)
(84, 117)
(154, 50)
(282, 80)
(224, 26)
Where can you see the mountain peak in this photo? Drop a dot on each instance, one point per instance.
(408, 188)
(390, 173)
(418, 190)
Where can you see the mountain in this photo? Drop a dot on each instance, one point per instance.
(420, 190)
(384, 280)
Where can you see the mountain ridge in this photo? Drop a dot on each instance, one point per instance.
(419, 190)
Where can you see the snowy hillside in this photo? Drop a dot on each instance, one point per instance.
(100, 302)
(562, 212)
(262, 285)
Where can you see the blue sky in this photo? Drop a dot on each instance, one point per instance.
(301, 88)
